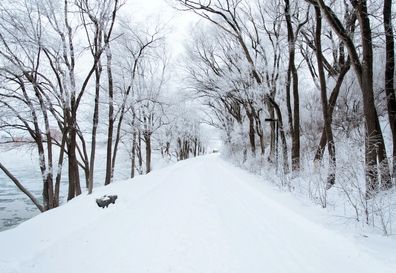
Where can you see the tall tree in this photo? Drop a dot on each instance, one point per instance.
(375, 151)
(390, 75)
(98, 21)
(325, 103)
(292, 80)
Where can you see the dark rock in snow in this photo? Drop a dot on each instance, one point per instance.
(106, 200)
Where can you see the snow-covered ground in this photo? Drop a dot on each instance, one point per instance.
(200, 215)
(15, 206)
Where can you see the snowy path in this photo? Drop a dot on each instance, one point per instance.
(201, 215)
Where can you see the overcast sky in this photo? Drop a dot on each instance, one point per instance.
(152, 11)
(180, 26)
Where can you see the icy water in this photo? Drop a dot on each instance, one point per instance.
(16, 207)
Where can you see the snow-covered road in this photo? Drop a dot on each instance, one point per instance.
(201, 215)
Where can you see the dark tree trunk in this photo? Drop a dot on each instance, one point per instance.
(332, 103)
(296, 123)
(147, 141)
(95, 123)
(252, 139)
(139, 153)
(325, 107)
(133, 154)
(180, 149)
(271, 157)
(195, 147)
(295, 132)
(74, 176)
(374, 146)
(84, 157)
(288, 101)
(49, 183)
(186, 150)
(389, 78)
(375, 143)
(282, 134)
(260, 133)
(167, 148)
(109, 153)
(59, 171)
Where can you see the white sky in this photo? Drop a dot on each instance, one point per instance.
(180, 26)
(152, 11)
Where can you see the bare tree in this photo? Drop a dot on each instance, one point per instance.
(135, 47)
(325, 103)
(98, 21)
(375, 151)
(27, 88)
(227, 17)
(292, 78)
(150, 106)
(50, 71)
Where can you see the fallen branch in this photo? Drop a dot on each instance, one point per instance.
(21, 187)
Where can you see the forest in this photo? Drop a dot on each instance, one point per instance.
(300, 92)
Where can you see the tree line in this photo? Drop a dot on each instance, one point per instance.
(76, 75)
(247, 63)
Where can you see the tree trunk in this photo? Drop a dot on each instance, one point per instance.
(167, 149)
(374, 142)
(288, 100)
(389, 78)
(95, 123)
(296, 123)
(59, 170)
(84, 157)
(139, 153)
(109, 153)
(133, 154)
(180, 149)
(118, 132)
(295, 132)
(74, 176)
(252, 139)
(260, 133)
(332, 103)
(325, 107)
(282, 134)
(147, 140)
(271, 111)
(185, 149)
(195, 147)
(22, 188)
